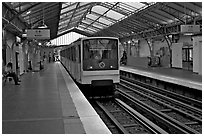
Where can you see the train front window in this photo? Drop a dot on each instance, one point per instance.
(100, 50)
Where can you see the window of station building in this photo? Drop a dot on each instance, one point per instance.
(187, 54)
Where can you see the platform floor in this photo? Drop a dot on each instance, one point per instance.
(42, 104)
(172, 75)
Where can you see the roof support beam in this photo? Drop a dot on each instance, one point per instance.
(196, 4)
(146, 3)
(53, 4)
(157, 18)
(19, 13)
(60, 7)
(105, 17)
(116, 9)
(178, 11)
(97, 22)
(185, 7)
(74, 30)
(89, 29)
(147, 22)
(69, 5)
(118, 30)
(173, 15)
(73, 14)
(83, 6)
(134, 22)
(19, 4)
(91, 26)
(41, 15)
(84, 15)
(118, 27)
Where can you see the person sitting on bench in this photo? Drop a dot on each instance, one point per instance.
(10, 73)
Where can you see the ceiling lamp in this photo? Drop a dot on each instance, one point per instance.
(43, 26)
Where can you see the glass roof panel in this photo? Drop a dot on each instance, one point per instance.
(99, 9)
(97, 26)
(132, 6)
(65, 4)
(68, 8)
(104, 21)
(80, 11)
(90, 30)
(100, 24)
(114, 15)
(83, 3)
(87, 21)
(91, 16)
(63, 22)
(65, 17)
(76, 18)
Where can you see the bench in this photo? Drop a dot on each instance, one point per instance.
(6, 79)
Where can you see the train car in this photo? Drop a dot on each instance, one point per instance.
(93, 62)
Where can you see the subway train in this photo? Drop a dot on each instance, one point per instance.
(93, 62)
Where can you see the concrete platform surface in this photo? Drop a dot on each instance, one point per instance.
(48, 102)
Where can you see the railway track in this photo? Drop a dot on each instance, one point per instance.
(174, 116)
(173, 95)
(122, 119)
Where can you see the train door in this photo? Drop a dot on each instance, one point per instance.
(79, 61)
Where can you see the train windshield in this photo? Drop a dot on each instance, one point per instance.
(102, 52)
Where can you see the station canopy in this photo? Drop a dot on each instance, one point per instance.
(117, 19)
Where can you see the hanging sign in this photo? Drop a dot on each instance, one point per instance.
(38, 33)
(190, 28)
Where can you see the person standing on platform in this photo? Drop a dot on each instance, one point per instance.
(49, 57)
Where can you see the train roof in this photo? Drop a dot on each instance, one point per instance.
(99, 37)
(93, 38)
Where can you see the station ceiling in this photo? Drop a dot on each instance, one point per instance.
(119, 19)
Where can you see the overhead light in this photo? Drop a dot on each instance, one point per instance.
(24, 35)
(43, 26)
(188, 34)
(28, 12)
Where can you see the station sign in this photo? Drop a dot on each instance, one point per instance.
(38, 34)
(190, 28)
